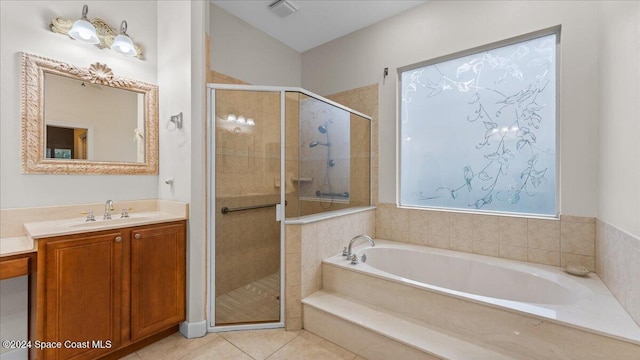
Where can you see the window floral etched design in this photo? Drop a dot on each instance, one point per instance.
(478, 132)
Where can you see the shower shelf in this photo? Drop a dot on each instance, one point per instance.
(302, 180)
(276, 181)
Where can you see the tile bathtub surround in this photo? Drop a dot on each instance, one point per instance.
(12, 220)
(306, 246)
(618, 265)
(571, 240)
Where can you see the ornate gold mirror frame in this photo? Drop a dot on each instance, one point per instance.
(33, 125)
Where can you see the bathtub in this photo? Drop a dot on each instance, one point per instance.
(530, 290)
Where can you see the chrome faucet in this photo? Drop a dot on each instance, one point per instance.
(108, 208)
(366, 237)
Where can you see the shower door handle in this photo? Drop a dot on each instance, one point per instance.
(279, 212)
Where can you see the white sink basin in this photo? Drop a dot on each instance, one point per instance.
(50, 228)
(100, 222)
(116, 220)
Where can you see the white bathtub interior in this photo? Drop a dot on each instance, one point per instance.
(536, 290)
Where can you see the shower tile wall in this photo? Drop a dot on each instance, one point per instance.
(618, 265)
(360, 185)
(247, 243)
(571, 240)
(292, 134)
(293, 181)
(306, 247)
(247, 169)
(365, 100)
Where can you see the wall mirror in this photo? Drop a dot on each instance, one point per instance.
(86, 120)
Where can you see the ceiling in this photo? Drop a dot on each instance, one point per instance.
(315, 22)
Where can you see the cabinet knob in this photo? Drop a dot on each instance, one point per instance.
(137, 236)
(118, 239)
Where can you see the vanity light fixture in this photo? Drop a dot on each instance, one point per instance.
(83, 30)
(98, 32)
(122, 43)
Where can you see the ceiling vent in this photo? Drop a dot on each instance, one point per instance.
(283, 8)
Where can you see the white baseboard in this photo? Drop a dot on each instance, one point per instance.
(192, 329)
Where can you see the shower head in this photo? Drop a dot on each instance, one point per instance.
(315, 143)
(323, 128)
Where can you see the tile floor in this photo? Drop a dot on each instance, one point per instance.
(254, 302)
(273, 344)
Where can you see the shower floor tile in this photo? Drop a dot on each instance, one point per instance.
(254, 302)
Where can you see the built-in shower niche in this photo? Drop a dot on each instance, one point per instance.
(329, 159)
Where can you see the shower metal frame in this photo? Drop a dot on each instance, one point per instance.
(280, 211)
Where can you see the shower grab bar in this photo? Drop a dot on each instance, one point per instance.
(226, 210)
(344, 194)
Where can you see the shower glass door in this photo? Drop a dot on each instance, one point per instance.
(247, 245)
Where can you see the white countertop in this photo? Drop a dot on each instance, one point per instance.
(16, 245)
(45, 229)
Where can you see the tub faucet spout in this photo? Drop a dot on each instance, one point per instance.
(366, 237)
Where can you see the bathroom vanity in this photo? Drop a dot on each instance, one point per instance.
(99, 287)
(104, 288)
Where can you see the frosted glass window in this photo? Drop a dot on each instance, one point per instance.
(478, 132)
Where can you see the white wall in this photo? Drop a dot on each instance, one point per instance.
(443, 27)
(181, 76)
(24, 27)
(619, 148)
(246, 53)
(197, 245)
(174, 59)
(174, 68)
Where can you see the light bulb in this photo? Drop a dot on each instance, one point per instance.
(83, 30)
(241, 120)
(250, 122)
(122, 43)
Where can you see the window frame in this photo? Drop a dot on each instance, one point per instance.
(467, 52)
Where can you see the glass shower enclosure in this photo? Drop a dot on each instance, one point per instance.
(273, 153)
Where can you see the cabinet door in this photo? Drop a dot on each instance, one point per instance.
(158, 270)
(83, 281)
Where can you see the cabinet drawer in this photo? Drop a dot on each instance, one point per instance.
(13, 268)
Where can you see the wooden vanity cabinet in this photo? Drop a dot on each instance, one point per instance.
(79, 293)
(158, 278)
(104, 291)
